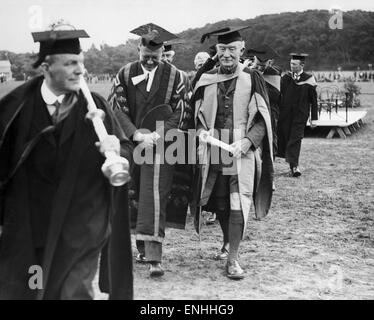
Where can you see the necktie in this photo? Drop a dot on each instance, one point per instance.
(147, 84)
(55, 114)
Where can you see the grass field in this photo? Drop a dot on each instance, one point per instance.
(316, 243)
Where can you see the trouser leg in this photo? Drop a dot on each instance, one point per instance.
(236, 225)
(236, 220)
(140, 246)
(220, 202)
(294, 144)
(224, 223)
(153, 251)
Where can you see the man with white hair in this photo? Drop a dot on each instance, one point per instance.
(203, 63)
(200, 59)
(231, 100)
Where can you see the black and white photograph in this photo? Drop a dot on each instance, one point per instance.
(196, 150)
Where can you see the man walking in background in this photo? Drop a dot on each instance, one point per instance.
(298, 103)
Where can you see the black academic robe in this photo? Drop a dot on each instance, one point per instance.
(272, 77)
(298, 101)
(64, 167)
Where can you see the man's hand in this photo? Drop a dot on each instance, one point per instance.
(110, 143)
(203, 136)
(138, 136)
(147, 140)
(313, 124)
(241, 146)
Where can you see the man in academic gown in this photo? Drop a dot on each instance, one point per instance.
(262, 59)
(56, 205)
(298, 103)
(141, 88)
(232, 101)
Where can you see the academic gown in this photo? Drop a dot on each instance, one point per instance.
(250, 100)
(64, 166)
(272, 77)
(299, 98)
(155, 190)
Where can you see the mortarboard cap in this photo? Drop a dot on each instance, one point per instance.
(299, 56)
(153, 36)
(263, 52)
(225, 35)
(57, 41)
(251, 52)
(272, 71)
(168, 45)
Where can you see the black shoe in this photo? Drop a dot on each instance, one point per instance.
(234, 271)
(211, 218)
(140, 258)
(222, 254)
(295, 172)
(156, 270)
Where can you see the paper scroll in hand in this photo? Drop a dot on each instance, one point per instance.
(115, 167)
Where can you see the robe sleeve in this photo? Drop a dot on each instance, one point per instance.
(178, 103)
(5, 152)
(197, 97)
(4, 171)
(312, 95)
(119, 104)
(258, 131)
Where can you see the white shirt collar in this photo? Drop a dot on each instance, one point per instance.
(48, 96)
(146, 71)
(151, 75)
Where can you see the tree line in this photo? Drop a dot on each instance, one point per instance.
(308, 31)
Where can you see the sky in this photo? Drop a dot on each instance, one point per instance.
(109, 21)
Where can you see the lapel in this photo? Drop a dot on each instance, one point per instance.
(306, 79)
(222, 87)
(141, 86)
(69, 124)
(302, 77)
(42, 118)
(156, 81)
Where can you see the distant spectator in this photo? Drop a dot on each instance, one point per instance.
(200, 59)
